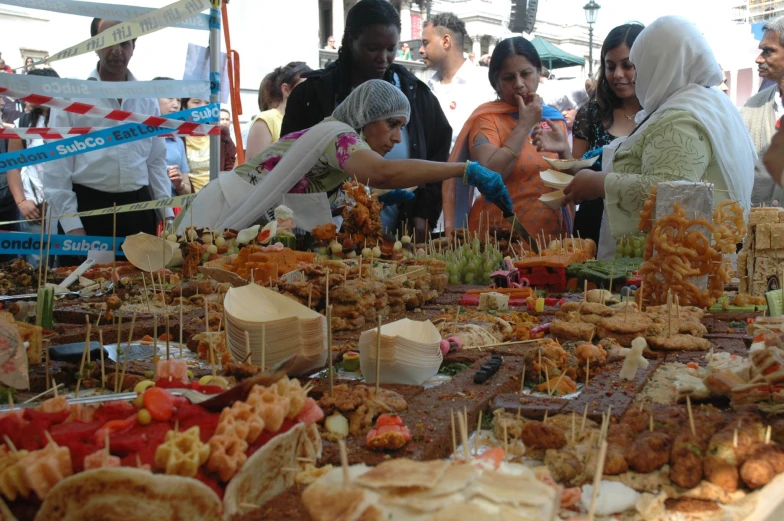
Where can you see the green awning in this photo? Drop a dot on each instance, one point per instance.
(554, 57)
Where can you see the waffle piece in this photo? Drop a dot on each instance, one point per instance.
(227, 455)
(46, 467)
(270, 406)
(242, 421)
(13, 483)
(182, 453)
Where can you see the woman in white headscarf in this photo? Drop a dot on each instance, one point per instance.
(688, 130)
(349, 145)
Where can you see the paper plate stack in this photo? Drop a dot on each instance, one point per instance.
(410, 352)
(571, 165)
(287, 326)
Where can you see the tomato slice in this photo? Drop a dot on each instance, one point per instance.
(114, 428)
(160, 403)
(389, 419)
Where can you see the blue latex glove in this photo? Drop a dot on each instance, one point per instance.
(396, 196)
(489, 184)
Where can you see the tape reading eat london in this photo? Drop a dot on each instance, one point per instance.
(134, 28)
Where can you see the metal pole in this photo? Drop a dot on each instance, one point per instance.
(590, 51)
(215, 80)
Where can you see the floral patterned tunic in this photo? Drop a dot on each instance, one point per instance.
(327, 174)
(672, 148)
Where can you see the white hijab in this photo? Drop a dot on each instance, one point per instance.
(676, 69)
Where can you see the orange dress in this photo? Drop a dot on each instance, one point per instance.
(496, 120)
(524, 184)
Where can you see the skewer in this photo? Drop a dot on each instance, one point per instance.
(454, 436)
(597, 480)
(587, 370)
(344, 463)
(154, 339)
(103, 370)
(558, 382)
(263, 346)
(522, 380)
(506, 442)
(114, 246)
(516, 342)
(37, 396)
(85, 354)
(678, 308)
(167, 337)
(55, 386)
(547, 376)
(735, 438)
(9, 443)
(546, 413)
(479, 429)
(180, 321)
(650, 421)
(585, 416)
(152, 278)
(669, 312)
(462, 420)
(329, 351)
(378, 354)
(127, 352)
(691, 416)
(767, 435)
(119, 347)
(574, 426)
(146, 297)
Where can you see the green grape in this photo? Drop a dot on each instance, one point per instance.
(636, 242)
(638, 253)
(628, 250)
(454, 279)
(619, 250)
(469, 278)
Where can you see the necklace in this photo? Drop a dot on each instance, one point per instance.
(630, 118)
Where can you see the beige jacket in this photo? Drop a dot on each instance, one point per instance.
(759, 115)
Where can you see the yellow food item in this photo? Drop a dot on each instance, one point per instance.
(12, 480)
(182, 453)
(144, 417)
(138, 402)
(143, 386)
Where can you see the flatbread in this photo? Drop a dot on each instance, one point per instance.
(129, 494)
(261, 478)
(455, 479)
(404, 473)
(513, 490)
(326, 503)
(678, 342)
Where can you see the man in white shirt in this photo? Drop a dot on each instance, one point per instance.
(458, 85)
(123, 174)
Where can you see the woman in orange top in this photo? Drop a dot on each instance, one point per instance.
(506, 136)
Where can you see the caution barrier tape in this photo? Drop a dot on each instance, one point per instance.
(20, 243)
(105, 11)
(106, 138)
(75, 89)
(65, 132)
(134, 28)
(200, 114)
(156, 204)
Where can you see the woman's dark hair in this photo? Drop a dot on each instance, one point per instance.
(271, 88)
(511, 47)
(606, 99)
(38, 111)
(364, 14)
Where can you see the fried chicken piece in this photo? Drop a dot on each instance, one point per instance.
(678, 342)
(686, 465)
(558, 386)
(621, 434)
(324, 232)
(113, 302)
(539, 435)
(615, 462)
(546, 359)
(623, 328)
(595, 355)
(756, 473)
(720, 465)
(649, 451)
(566, 331)
(564, 465)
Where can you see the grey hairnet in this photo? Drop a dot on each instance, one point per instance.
(372, 101)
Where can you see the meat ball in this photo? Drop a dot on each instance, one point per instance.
(564, 465)
(721, 473)
(615, 461)
(649, 451)
(686, 461)
(538, 435)
(757, 473)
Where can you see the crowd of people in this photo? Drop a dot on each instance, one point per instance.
(465, 146)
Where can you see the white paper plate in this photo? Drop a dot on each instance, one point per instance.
(571, 165)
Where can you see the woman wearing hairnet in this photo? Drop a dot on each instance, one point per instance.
(349, 145)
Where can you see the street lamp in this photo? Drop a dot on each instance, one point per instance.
(591, 12)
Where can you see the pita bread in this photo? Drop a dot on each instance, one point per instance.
(404, 473)
(513, 490)
(326, 502)
(420, 503)
(261, 478)
(129, 494)
(455, 479)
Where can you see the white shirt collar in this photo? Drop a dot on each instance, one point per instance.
(463, 75)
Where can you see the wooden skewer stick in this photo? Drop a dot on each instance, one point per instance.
(103, 370)
(85, 354)
(767, 435)
(691, 416)
(127, 352)
(522, 380)
(479, 429)
(597, 480)
(37, 396)
(574, 426)
(55, 386)
(546, 413)
(462, 422)
(585, 416)
(10, 443)
(735, 438)
(454, 435)
(181, 322)
(506, 442)
(378, 354)
(555, 388)
(344, 463)
(167, 336)
(329, 351)
(154, 339)
(547, 376)
(587, 370)
(650, 421)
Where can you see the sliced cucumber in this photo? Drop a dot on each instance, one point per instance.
(775, 305)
